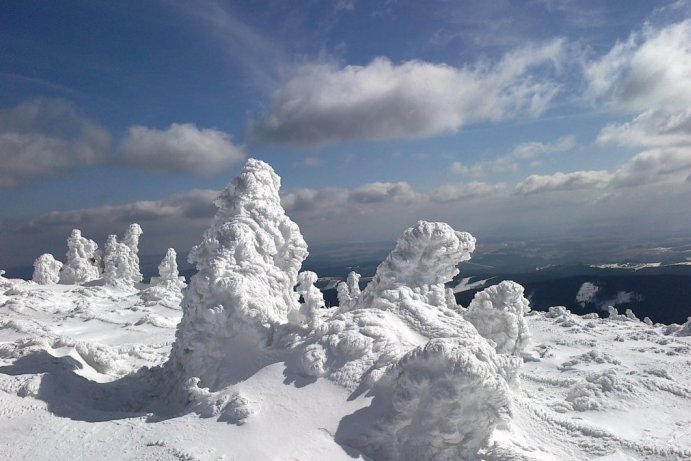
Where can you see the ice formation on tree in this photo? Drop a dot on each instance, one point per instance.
(131, 239)
(497, 314)
(169, 284)
(46, 270)
(83, 260)
(120, 267)
(248, 263)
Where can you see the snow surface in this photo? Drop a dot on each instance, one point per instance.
(246, 363)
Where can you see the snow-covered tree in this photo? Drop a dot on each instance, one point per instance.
(131, 239)
(313, 301)
(348, 291)
(497, 314)
(248, 263)
(46, 270)
(168, 274)
(120, 268)
(83, 260)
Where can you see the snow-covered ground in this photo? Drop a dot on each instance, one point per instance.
(245, 363)
(589, 388)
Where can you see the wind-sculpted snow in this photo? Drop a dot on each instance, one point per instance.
(248, 263)
(497, 314)
(83, 260)
(348, 291)
(46, 270)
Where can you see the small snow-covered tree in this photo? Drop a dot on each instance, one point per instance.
(348, 291)
(131, 239)
(168, 275)
(82, 260)
(119, 263)
(167, 287)
(313, 301)
(497, 314)
(46, 270)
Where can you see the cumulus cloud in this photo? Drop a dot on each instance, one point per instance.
(452, 192)
(45, 137)
(651, 70)
(324, 103)
(181, 148)
(559, 181)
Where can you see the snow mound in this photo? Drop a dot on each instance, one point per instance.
(593, 393)
(248, 263)
(46, 270)
(445, 400)
(83, 260)
(497, 314)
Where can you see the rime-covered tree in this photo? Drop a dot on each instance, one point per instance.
(131, 239)
(46, 270)
(82, 260)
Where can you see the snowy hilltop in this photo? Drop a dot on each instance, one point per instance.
(246, 362)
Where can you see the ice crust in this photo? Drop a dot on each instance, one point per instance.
(46, 270)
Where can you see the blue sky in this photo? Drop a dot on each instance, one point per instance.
(511, 120)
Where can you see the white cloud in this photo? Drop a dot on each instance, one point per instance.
(529, 150)
(650, 70)
(323, 103)
(45, 137)
(559, 181)
(377, 192)
(654, 166)
(453, 192)
(182, 148)
(656, 128)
